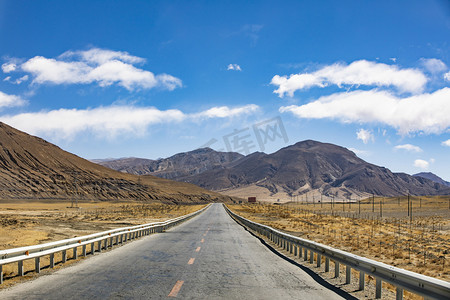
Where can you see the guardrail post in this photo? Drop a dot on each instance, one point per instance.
(311, 257)
(37, 265)
(399, 294)
(361, 280)
(378, 286)
(319, 260)
(111, 242)
(52, 260)
(84, 250)
(75, 253)
(336, 269)
(348, 274)
(64, 256)
(327, 264)
(300, 249)
(92, 248)
(1, 274)
(99, 246)
(291, 247)
(305, 254)
(295, 250)
(20, 267)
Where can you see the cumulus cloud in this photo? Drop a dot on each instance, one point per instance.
(433, 65)
(108, 121)
(234, 67)
(427, 113)
(408, 147)
(226, 112)
(361, 72)
(8, 67)
(10, 100)
(446, 143)
(104, 67)
(365, 136)
(420, 163)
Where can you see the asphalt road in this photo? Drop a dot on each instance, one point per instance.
(207, 257)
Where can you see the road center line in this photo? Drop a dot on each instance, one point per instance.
(198, 249)
(191, 261)
(176, 288)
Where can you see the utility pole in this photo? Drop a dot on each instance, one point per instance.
(408, 206)
(373, 202)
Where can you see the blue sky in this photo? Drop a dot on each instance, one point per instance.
(153, 78)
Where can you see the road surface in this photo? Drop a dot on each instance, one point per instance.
(207, 257)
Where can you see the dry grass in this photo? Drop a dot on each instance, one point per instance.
(31, 223)
(419, 243)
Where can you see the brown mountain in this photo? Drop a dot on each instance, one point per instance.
(308, 167)
(313, 166)
(175, 167)
(433, 177)
(32, 168)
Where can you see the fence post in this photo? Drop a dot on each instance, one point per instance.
(336, 269)
(348, 274)
(361, 280)
(37, 265)
(399, 294)
(378, 286)
(52, 260)
(20, 267)
(64, 256)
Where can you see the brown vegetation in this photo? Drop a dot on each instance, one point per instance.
(379, 229)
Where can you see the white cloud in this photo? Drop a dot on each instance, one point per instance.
(420, 163)
(234, 67)
(427, 113)
(434, 65)
(11, 100)
(446, 143)
(108, 121)
(8, 67)
(447, 76)
(104, 67)
(360, 72)
(408, 147)
(359, 152)
(365, 136)
(394, 59)
(226, 112)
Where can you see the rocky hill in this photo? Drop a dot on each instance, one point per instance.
(177, 166)
(433, 177)
(31, 168)
(308, 167)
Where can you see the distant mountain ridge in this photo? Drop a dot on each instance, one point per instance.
(177, 166)
(305, 167)
(32, 168)
(433, 177)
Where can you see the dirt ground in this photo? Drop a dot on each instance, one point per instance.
(419, 242)
(24, 223)
(29, 223)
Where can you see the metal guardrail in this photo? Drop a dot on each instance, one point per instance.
(103, 240)
(428, 287)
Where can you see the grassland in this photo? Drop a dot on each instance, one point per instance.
(34, 222)
(380, 228)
